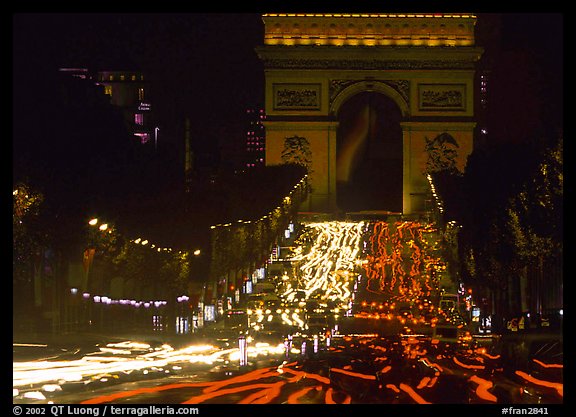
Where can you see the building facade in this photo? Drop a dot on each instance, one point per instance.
(255, 137)
(129, 91)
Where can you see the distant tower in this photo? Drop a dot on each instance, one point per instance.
(255, 137)
(129, 91)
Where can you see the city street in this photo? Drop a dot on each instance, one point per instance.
(354, 369)
(287, 208)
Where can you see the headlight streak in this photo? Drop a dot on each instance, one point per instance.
(328, 268)
(547, 365)
(266, 391)
(559, 387)
(464, 365)
(353, 374)
(413, 394)
(482, 391)
(294, 397)
(92, 367)
(385, 269)
(330, 400)
(289, 383)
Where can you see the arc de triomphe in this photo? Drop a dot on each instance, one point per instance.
(356, 98)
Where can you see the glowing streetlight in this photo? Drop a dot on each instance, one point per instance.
(93, 222)
(196, 252)
(103, 226)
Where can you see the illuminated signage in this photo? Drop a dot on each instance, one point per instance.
(144, 106)
(209, 313)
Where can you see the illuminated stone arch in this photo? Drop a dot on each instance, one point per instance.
(369, 86)
(314, 64)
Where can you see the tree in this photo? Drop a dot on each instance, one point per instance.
(535, 231)
(27, 235)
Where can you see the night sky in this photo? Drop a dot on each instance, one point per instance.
(191, 53)
(203, 64)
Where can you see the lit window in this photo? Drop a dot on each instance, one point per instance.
(133, 78)
(140, 93)
(122, 77)
(111, 77)
(108, 90)
(139, 118)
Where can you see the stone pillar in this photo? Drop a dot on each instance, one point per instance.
(415, 134)
(320, 139)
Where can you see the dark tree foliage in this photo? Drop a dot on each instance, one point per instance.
(243, 245)
(536, 213)
(509, 200)
(176, 218)
(27, 237)
(511, 222)
(255, 192)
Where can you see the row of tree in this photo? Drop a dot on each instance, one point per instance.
(508, 240)
(241, 246)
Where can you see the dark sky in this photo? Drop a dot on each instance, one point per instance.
(176, 46)
(202, 65)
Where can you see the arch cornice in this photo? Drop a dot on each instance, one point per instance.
(369, 86)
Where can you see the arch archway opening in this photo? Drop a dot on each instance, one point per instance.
(369, 160)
